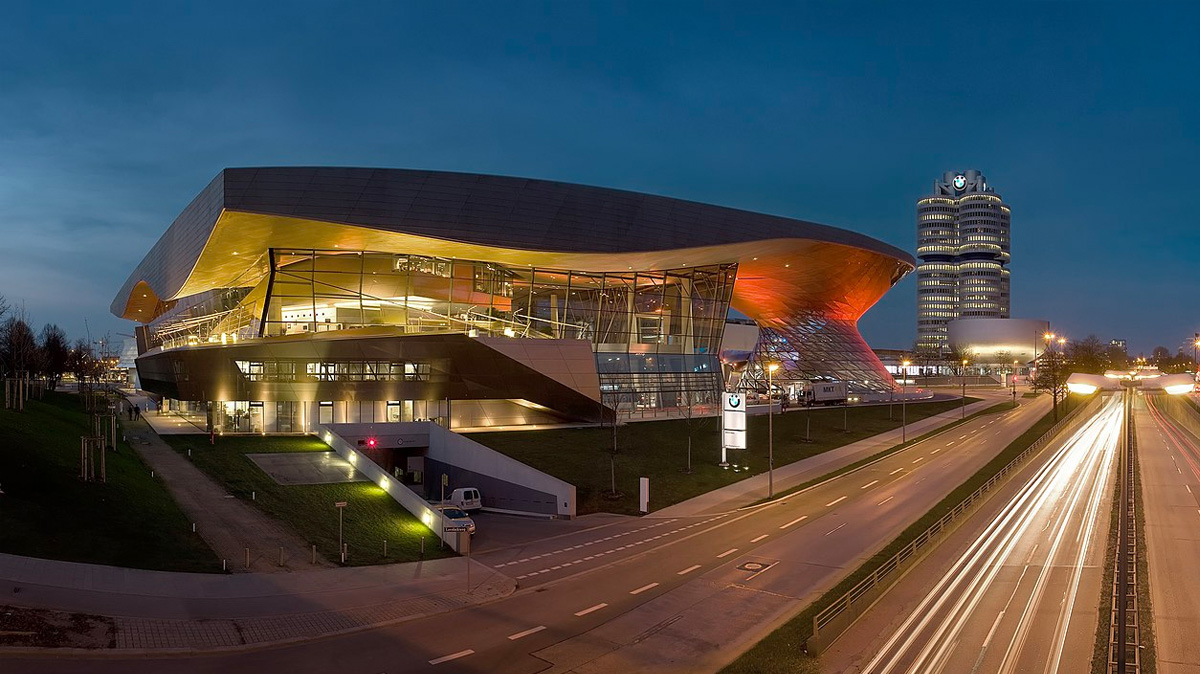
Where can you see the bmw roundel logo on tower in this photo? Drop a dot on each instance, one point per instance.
(735, 401)
(960, 182)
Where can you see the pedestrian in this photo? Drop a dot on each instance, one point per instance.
(129, 411)
(137, 412)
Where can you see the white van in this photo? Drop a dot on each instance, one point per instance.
(466, 498)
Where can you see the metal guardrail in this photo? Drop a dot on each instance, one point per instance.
(1124, 634)
(882, 574)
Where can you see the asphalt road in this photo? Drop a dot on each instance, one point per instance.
(1017, 587)
(676, 594)
(1170, 465)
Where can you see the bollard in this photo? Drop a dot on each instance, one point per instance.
(281, 555)
(422, 546)
(223, 565)
(314, 554)
(151, 473)
(385, 547)
(193, 527)
(189, 452)
(247, 558)
(253, 496)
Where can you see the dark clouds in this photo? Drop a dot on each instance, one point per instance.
(1084, 117)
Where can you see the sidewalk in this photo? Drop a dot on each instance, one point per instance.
(228, 525)
(190, 611)
(751, 489)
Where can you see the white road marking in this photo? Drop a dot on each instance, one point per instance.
(949, 443)
(869, 484)
(755, 540)
(961, 437)
(452, 656)
(936, 450)
(798, 519)
(728, 552)
(895, 471)
(643, 588)
(688, 570)
(918, 459)
(835, 528)
(1189, 488)
(885, 500)
(518, 635)
(586, 611)
(835, 501)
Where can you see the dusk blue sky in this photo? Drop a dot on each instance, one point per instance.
(1083, 116)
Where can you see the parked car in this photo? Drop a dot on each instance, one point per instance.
(457, 516)
(467, 498)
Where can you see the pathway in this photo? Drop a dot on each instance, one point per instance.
(229, 526)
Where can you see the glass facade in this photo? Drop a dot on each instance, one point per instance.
(656, 334)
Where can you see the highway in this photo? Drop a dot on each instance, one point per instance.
(674, 594)
(1169, 456)
(1016, 588)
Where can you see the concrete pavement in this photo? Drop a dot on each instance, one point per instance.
(1169, 457)
(1017, 586)
(165, 610)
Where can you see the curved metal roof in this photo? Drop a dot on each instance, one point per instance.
(218, 240)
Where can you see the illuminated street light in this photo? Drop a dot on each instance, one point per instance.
(964, 388)
(904, 402)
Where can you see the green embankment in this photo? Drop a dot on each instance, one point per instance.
(47, 511)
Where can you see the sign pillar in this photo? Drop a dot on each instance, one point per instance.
(733, 423)
(644, 494)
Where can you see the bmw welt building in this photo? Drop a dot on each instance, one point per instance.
(283, 298)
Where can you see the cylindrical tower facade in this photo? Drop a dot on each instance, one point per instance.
(963, 247)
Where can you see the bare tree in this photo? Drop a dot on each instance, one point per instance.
(56, 353)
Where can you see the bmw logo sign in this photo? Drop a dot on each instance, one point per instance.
(734, 401)
(960, 182)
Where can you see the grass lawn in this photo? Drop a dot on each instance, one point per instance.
(658, 450)
(46, 511)
(783, 650)
(370, 518)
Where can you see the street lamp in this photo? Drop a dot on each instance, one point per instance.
(904, 403)
(1062, 355)
(1013, 376)
(771, 429)
(964, 388)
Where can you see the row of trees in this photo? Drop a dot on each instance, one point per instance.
(48, 354)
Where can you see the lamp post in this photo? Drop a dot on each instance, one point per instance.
(771, 429)
(904, 403)
(1062, 354)
(964, 388)
(1195, 346)
(1013, 375)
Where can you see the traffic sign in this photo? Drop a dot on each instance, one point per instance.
(445, 479)
(340, 504)
(456, 527)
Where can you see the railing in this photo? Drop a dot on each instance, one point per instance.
(882, 576)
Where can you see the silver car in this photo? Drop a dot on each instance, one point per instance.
(457, 516)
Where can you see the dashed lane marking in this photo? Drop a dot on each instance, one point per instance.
(835, 528)
(755, 540)
(518, 635)
(835, 501)
(643, 588)
(452, 656)
(586, 611)
(728, 552)
(798, 519)
(895, 471)
(688, 570)
(918, 459)
(885, 500)
(869, 484)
